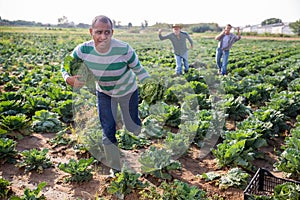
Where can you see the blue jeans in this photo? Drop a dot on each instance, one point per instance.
(107, 111)
(222, 65)
(179, 60)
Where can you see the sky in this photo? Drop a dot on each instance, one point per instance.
(235, 12)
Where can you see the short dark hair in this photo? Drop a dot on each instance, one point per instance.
(102, 18)
(229, 25)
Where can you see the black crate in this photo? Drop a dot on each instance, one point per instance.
(263, 184)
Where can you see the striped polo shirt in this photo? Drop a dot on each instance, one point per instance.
(116, 70)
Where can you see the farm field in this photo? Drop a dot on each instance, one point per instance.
(204, 135)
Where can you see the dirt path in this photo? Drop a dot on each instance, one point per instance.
(272, 38)
(57, 189)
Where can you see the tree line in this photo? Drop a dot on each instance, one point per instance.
(198, 28)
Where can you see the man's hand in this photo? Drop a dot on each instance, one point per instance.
(75, 82)
(159, 31)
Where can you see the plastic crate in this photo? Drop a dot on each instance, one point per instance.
(263, 184)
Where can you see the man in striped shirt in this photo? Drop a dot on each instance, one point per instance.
(115, 66)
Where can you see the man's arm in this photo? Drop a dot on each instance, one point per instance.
(161, 37)
(238, 32)
(218, 37)
(190, 40)
(135, 65)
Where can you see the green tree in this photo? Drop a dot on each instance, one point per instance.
(295, 26)
(271, 21)
(201, 28)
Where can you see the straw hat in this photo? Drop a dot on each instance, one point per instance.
(177, 25)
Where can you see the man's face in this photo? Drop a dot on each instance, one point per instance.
(102, 34)
(176, 30)
(227, 30)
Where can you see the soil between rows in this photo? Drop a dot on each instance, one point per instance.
(57, 189)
